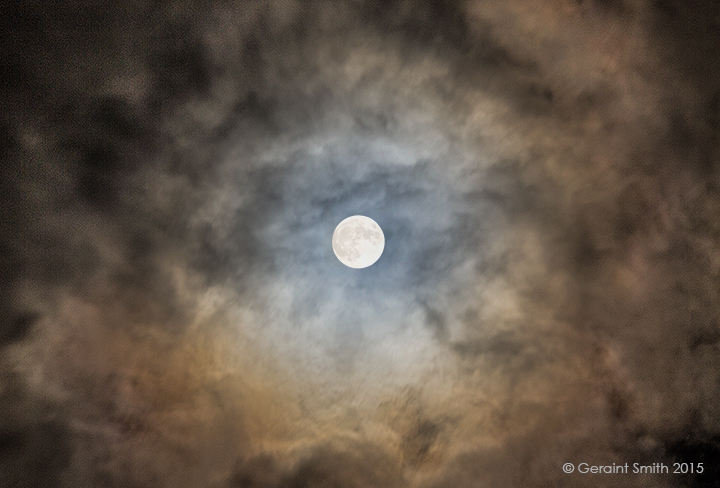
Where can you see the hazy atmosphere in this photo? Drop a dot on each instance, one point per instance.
(546, 174)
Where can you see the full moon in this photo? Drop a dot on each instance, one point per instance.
(358, 241)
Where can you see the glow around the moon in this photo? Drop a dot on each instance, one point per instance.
(358, 241)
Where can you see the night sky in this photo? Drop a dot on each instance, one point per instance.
(547, 177)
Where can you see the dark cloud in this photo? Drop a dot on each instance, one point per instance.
(171, 312)
(354, 465)
(34, 439)
(702, 447)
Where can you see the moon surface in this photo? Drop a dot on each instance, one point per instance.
(358, 241)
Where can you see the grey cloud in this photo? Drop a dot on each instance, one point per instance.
(546, 178)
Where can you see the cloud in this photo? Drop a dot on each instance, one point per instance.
(173, 314)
